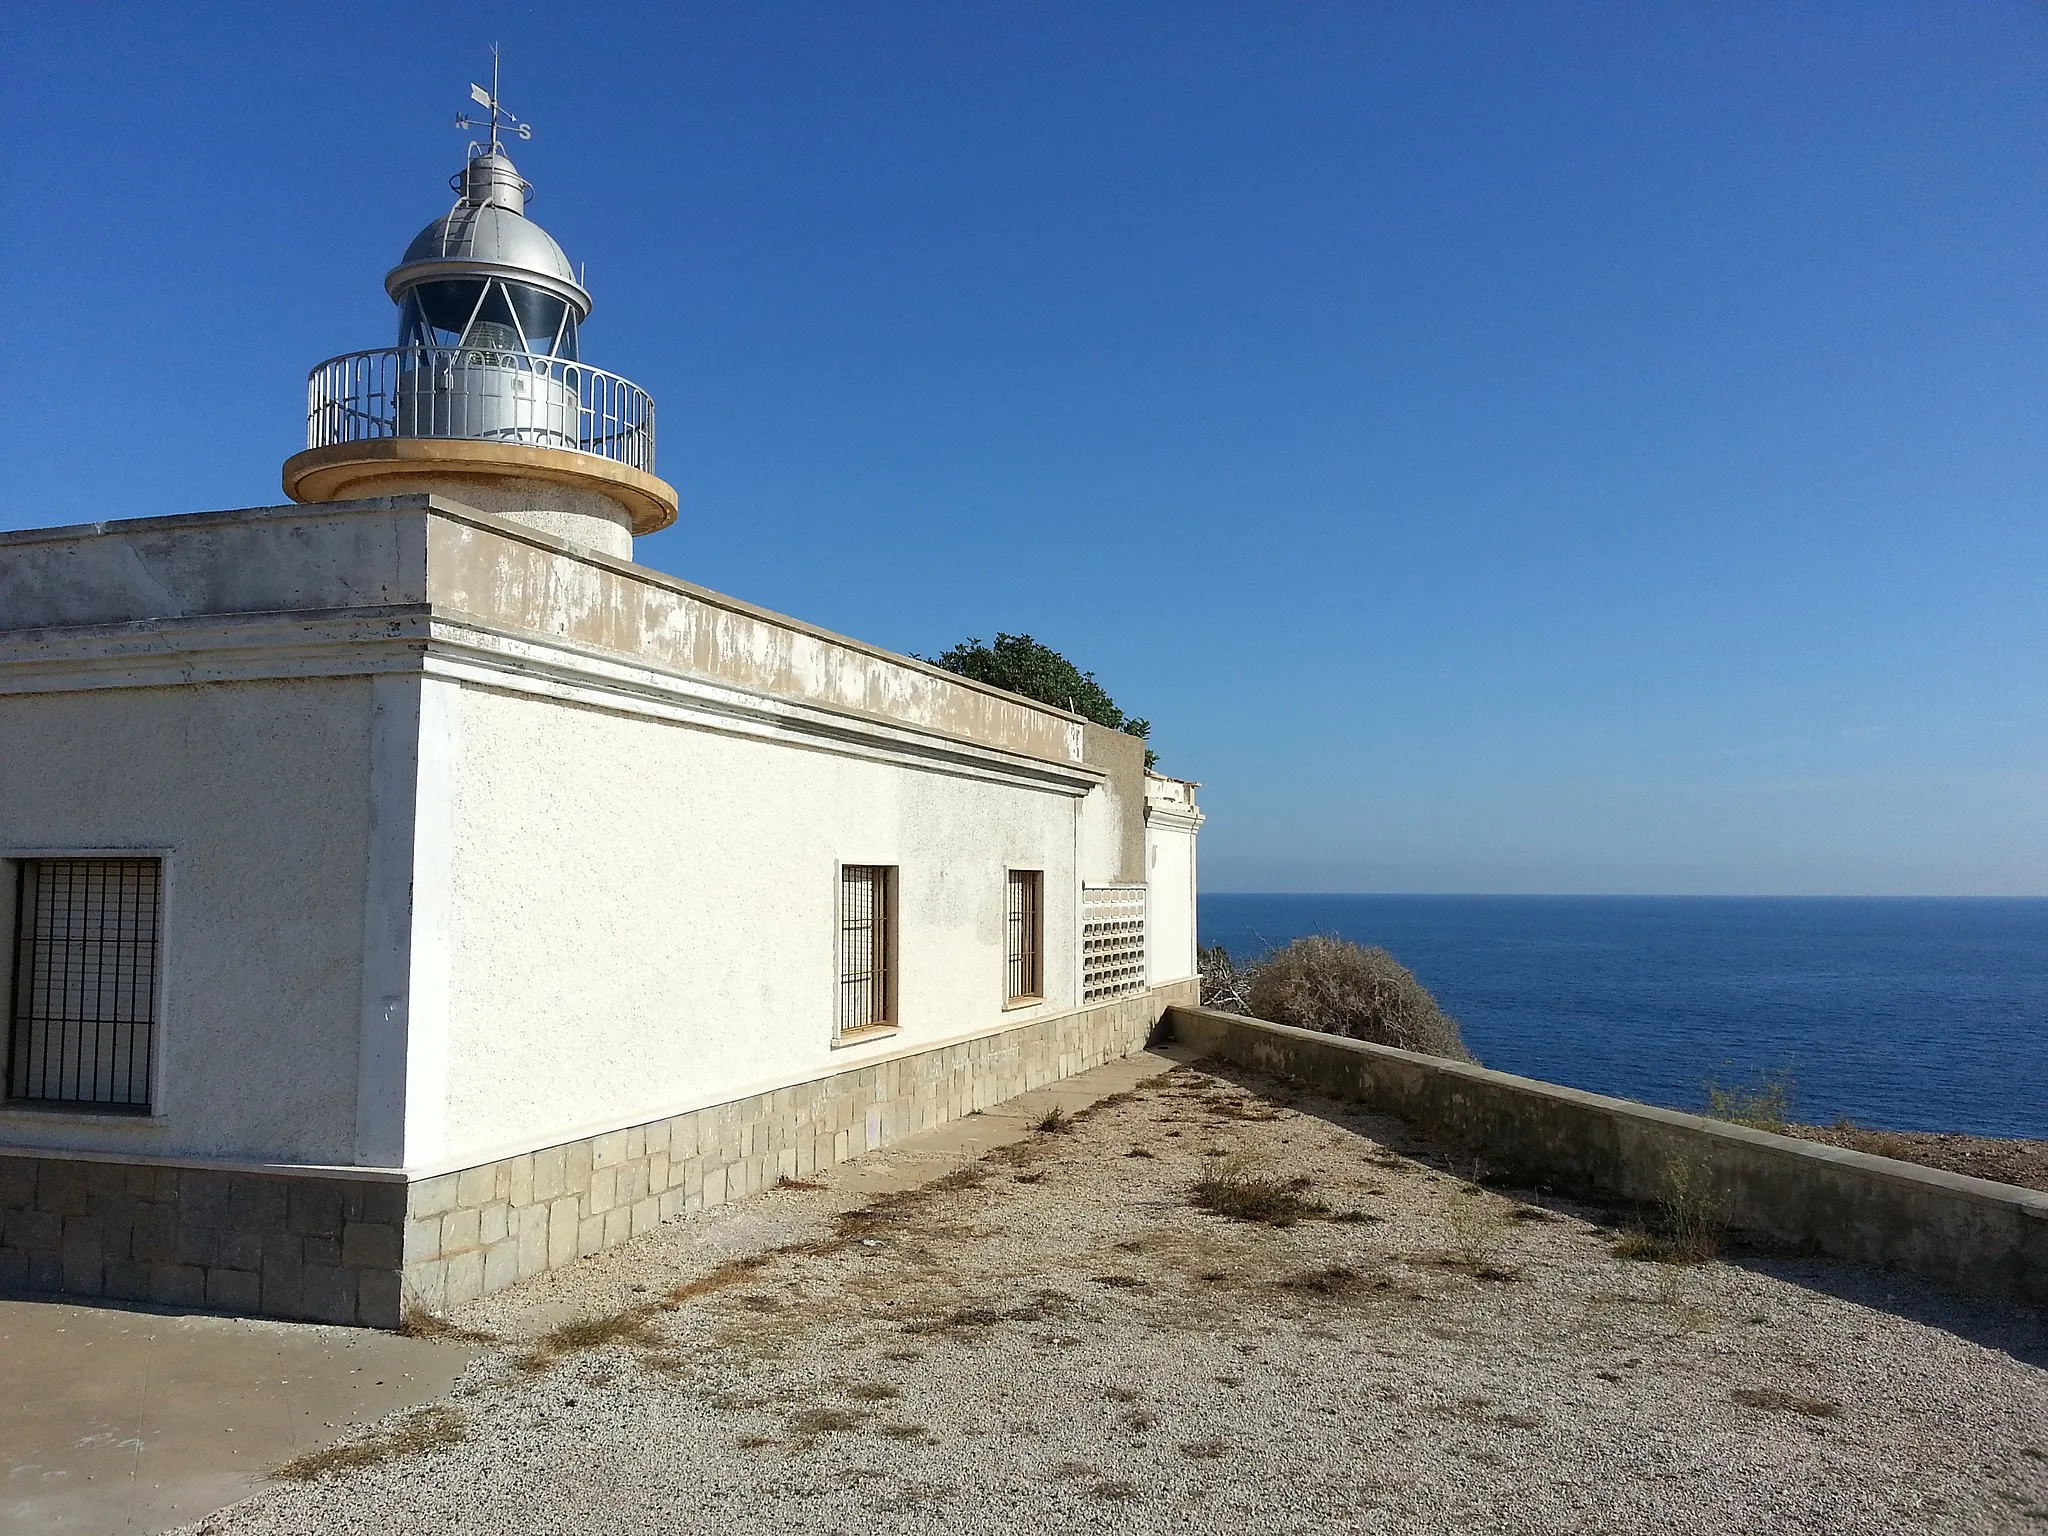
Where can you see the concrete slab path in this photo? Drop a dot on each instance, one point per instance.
(121, 1419)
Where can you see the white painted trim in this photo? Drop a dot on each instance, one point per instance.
(519, 663)
(213, 648)
(408, 915)
(381, 1042)
(1080, 945)
(103, 851)
(208, 1164)
(428, 1007)
(867, 1036)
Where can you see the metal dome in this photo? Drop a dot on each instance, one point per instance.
(487, 234)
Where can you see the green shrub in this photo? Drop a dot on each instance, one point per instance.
(1023, 665)
(1765, 1105)
(1330, 984)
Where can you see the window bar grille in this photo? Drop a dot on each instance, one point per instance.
(83, 1015)
(1025, 978)
(863, 947)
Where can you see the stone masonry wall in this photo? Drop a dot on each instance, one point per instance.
(340, 1247)
(318, 1247)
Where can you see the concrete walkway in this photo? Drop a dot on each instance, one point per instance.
(119, 1419)
(134, 1420)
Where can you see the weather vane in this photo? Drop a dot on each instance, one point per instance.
(500, 119)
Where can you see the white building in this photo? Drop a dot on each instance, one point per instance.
(411, 894)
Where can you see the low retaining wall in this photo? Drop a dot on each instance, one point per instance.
(1965, 1234)
(361, 1246)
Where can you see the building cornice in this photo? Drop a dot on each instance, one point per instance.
(454, 511)
(1173, 820)
(336, 643)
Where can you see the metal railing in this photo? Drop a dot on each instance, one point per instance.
(482, 394)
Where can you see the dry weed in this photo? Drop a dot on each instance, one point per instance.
(825, 1421)
(1778, 1400)
(1228, 1187)
(1479, 1227)
(428, 1429)
(631, 1326)
(1765, 1105)
(1689, 1218)
(419, 1323)
(1332, 1281)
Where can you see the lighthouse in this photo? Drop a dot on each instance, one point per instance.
(486, 398)
(403, 893)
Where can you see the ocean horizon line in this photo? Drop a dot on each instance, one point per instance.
(1920, 1013)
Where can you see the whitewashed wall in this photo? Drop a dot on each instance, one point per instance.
(255, 794)
(643, 915)
(475, 842)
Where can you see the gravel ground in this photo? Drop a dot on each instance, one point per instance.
(2008, 1160)
(1054, 1337)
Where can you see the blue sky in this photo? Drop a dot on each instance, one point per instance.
(1502, 447)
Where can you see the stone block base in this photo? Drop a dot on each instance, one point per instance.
(318, 1246)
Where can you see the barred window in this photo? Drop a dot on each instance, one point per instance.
(1024, 937)
(1112, 941)
(867, 947)
(82, 1021)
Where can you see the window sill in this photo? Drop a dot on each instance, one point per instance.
(866, 1036)
(1035, 1000)
(46, 1110)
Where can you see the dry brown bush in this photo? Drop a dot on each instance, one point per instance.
(1228, 1187)
(1224, 981)
(1330, 984)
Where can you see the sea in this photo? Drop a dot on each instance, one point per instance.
(1907, 1014)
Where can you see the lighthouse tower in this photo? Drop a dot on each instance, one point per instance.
(486, 397)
